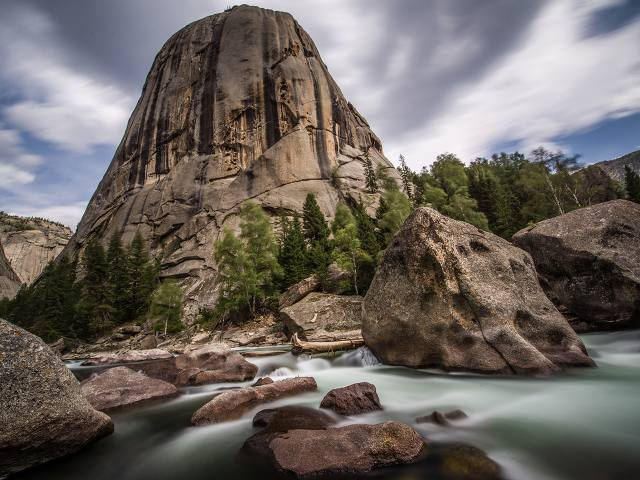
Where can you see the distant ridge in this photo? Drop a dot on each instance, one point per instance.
(615, 168)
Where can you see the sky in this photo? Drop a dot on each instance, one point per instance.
(431, 76)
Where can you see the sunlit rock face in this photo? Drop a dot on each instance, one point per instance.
(31, 243)
(9, 283)
(237, 106)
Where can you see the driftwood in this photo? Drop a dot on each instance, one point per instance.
(301, 346)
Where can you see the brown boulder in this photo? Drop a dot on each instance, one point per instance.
(346, 450)
(320, 317)
(296, 292)
(352, 400)
(211, 364)
(588, 262)
(123, 387)
(232, 404)
(43, 414)
(451, 296)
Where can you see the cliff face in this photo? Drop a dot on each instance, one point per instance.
(615, 168)
(9, 283)
(237, 106)
(31, 243)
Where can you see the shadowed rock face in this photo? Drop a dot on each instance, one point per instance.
(43, 414)
(237, 106)
(449, 295)
(588, 262)
(9, 281)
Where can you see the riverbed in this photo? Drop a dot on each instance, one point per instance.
(583, 424)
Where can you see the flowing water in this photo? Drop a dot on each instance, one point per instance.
(584, 424)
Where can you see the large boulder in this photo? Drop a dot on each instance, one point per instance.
(43, 414)
(353, 399)
(336, 279)
(154, 362)
(323, 317)
(451, 296)
(122, 387)
(232, 404)
(588, 262)
(347, 450)
(213, 363)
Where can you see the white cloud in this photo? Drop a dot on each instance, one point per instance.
(57, 103)
(16, 164)
(554, 83)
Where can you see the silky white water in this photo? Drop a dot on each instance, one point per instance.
(584, 424)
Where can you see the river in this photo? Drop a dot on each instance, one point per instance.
(583, 424)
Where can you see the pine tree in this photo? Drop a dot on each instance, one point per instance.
(316, 233)
(118, 278)
(95, 305)
(166, 307)
(348, 252)
(398, 207)
(233, 275)
(632, 184)
(405, 175)
(293, 254)
(370, 177)
(138, 296)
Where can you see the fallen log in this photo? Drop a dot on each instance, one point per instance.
(301, 346)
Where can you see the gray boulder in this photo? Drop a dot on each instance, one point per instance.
(324, 317)
(588, 262)
(353, 399)
(451, 296)
(211, 364)
(122, 387)
(43, 414)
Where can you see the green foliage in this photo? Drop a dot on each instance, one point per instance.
(348, 252)
(293, 252)
(394, 208)
(405, 175)
(248, 266)
(316, 234)
(370, 177)
(166, 307)
(632, 184)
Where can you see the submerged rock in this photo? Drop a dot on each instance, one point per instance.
(588, 262)
(320, 317)
(211, 364)
(346, 450)
(353, 399)
(442, 419)
(461, 461)
(123, 387)
(451, 296)
(232, 404)
(43, 414)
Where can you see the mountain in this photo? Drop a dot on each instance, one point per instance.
(9, 282)
(31, 243)
(237, 106)
(615, 168)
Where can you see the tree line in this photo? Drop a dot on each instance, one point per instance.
(110, 287)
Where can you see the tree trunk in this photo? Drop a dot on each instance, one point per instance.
(301, 346)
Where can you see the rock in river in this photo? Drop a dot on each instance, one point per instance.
(213, 363)
(588, 262)
(353, 399)
(43, 414)
(346, 450)
(232, 404)
(123, 387)
(451, 296)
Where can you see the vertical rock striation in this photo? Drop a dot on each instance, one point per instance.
(9, 282)
(237, 106)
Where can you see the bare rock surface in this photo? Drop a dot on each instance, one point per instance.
(128, 357)
(31, 243)
(9, 281)
(346, 450)
(43, 413)
(353, 399)
(236, 106)
(304, 287)
(123, 387)
(232, 404)
(451, 296)
(324, 317)
(588, 262)
(213, 363)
